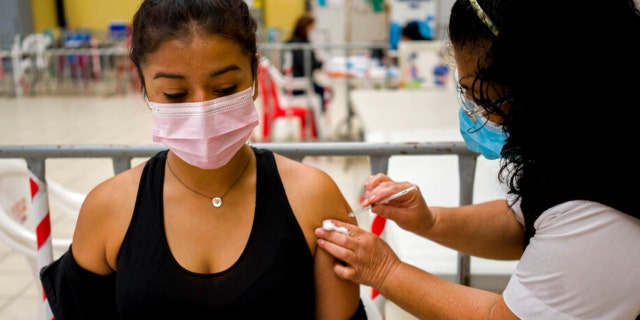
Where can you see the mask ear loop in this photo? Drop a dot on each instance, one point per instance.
(254, 92)
(146, 100)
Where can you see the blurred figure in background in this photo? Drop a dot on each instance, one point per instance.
(303, 27)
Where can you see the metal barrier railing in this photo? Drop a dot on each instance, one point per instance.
(377, 153)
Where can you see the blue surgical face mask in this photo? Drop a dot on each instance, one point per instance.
(482, 136)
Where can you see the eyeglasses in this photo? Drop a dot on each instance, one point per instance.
(470, 108)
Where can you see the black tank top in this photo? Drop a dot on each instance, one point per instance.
(273, 278)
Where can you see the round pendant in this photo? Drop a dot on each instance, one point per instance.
(216, 202)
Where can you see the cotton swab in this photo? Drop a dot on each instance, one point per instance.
(330, 226)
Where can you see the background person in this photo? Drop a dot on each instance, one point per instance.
(570, 218)
(300, 34)
(211, 227)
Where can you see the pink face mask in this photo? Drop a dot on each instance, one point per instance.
(205, 134)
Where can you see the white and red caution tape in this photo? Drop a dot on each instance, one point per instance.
(40, 205)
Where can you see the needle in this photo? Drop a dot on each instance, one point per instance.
(385, 200)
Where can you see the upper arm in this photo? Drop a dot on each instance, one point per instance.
(314, 198)
(102, 222)
(501, 311)
(335, 298)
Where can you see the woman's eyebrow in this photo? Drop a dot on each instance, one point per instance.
(168, 75)
(222, 70)
(218, 72)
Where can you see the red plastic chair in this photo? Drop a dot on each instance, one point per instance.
(126, 73)
(273, 108)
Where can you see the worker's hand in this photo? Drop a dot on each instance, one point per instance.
(363, 257)
(409, 211)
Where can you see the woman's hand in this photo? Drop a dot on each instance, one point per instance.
(365, 258)
(409, 211)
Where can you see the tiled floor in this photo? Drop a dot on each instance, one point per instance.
(124, 119)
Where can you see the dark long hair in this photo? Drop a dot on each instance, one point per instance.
(570, 68)
(301, 29)
(157, 21)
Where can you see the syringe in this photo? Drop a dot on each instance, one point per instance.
(387, 199)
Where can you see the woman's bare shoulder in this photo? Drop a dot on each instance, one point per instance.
(103, 220)
(314, 189)
(304, 176)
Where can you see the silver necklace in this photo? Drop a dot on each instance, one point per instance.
(215, 201)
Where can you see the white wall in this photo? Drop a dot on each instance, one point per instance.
(341, 24)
